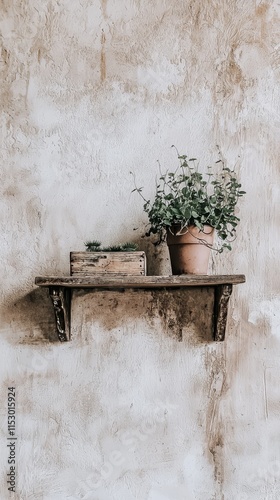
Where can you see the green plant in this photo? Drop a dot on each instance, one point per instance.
(186, 197)
(95, 246)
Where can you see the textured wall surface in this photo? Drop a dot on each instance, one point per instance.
(90, 91)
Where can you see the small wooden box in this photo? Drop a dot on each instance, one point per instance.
(127, 263)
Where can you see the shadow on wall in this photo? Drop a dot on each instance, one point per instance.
(180, 314)
(30, 319)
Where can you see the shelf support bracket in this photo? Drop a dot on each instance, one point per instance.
(61, 300)
(222, 296)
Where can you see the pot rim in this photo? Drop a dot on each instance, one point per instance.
(180, 233)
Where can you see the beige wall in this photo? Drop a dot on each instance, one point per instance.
(92, 90)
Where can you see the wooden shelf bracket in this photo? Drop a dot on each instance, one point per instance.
(61, 300)
(222, 296)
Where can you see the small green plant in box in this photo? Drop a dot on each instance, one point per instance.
(95, 246)
(122, 259)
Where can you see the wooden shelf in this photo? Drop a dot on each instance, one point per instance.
(60, 293)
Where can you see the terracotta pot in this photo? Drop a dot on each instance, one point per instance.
(188, 252)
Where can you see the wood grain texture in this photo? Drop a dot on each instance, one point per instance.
(138, 282)
(87, 263)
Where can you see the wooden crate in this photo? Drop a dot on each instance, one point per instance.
(127, 263)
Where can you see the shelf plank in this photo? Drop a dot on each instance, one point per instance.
(124, 281)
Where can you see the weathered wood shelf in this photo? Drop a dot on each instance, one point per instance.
(60, 293)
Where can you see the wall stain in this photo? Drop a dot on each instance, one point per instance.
(5, 55)
(216, 450)
(229, 77)
(177, 310)
(103, 58)
(180, 309)
(216, 367)
(32, 318)
(261, 12)
(104, 8)
(233, 70)
(262, 9)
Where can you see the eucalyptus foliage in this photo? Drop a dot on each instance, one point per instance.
(186, 197)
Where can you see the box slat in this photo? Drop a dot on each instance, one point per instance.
(126, 263)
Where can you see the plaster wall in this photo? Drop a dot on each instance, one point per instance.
(89, 92)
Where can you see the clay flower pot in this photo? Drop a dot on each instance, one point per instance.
(188, 250)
